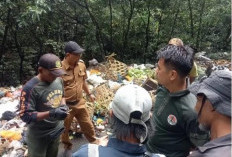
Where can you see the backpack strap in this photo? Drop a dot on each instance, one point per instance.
(93, 150)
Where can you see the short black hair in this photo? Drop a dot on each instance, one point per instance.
(122, 130)
(179, 58)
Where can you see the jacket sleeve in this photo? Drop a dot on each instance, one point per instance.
(27, 105)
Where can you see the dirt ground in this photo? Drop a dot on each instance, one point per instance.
(77, 142)
(80, 140)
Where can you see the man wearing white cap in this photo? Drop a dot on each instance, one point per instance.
(130, 123)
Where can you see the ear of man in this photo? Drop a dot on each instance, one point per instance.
(67, 54)
(173, 75)
(40, 69)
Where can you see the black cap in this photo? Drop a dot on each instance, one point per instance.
(52, 63)
(73, 47)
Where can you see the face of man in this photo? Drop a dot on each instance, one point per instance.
(46, 75)
(204, 110)
(162, 73)
(73, 58)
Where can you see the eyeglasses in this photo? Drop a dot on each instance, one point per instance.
(202, 104)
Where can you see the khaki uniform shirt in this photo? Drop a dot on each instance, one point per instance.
(74, 80)
(193, 72)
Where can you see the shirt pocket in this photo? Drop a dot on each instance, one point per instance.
(68, 79)
(81, 73)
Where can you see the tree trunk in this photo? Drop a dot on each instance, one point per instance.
(2, 50)
(5, 34)
(200, 24)
(191, 18)
(159, 28)
(147, 32)
(99, 35)
(21, 55)
(121, 50)
(111, 25)
(125, 42)
(175, 18)
(98, 30)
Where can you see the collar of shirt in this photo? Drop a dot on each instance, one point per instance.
(180, 93)
(126, 147)
(219, 142)
(176, 94)
(65, 64)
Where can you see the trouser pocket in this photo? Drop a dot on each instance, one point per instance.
(56, 134)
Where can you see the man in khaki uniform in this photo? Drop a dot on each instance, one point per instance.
(74, 84)
(193, 73)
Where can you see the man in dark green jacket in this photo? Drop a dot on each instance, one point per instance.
(176, 127)
(42, 107)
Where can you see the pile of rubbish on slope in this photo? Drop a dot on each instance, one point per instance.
(104, 79)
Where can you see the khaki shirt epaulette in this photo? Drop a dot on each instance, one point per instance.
(81, 69)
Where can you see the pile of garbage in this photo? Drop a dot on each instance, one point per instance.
(12, 129)
(104, 79)
(206, 65)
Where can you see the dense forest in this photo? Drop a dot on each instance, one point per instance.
(133, 29)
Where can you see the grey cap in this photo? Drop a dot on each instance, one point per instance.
(217, 89)
(73, 47)
(52, 63)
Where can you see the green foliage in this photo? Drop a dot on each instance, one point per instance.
(135, 30)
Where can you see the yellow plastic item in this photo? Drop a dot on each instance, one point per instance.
(93, 71)
(99, 121)
(11, 135)
(128, 78)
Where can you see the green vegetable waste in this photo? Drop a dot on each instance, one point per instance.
(140, 73)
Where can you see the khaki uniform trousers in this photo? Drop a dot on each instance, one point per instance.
(80, 112)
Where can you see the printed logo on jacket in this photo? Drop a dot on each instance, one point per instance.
(172, 120)
(54, 98)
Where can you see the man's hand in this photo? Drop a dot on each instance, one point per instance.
(59, 113)
(92, 97)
